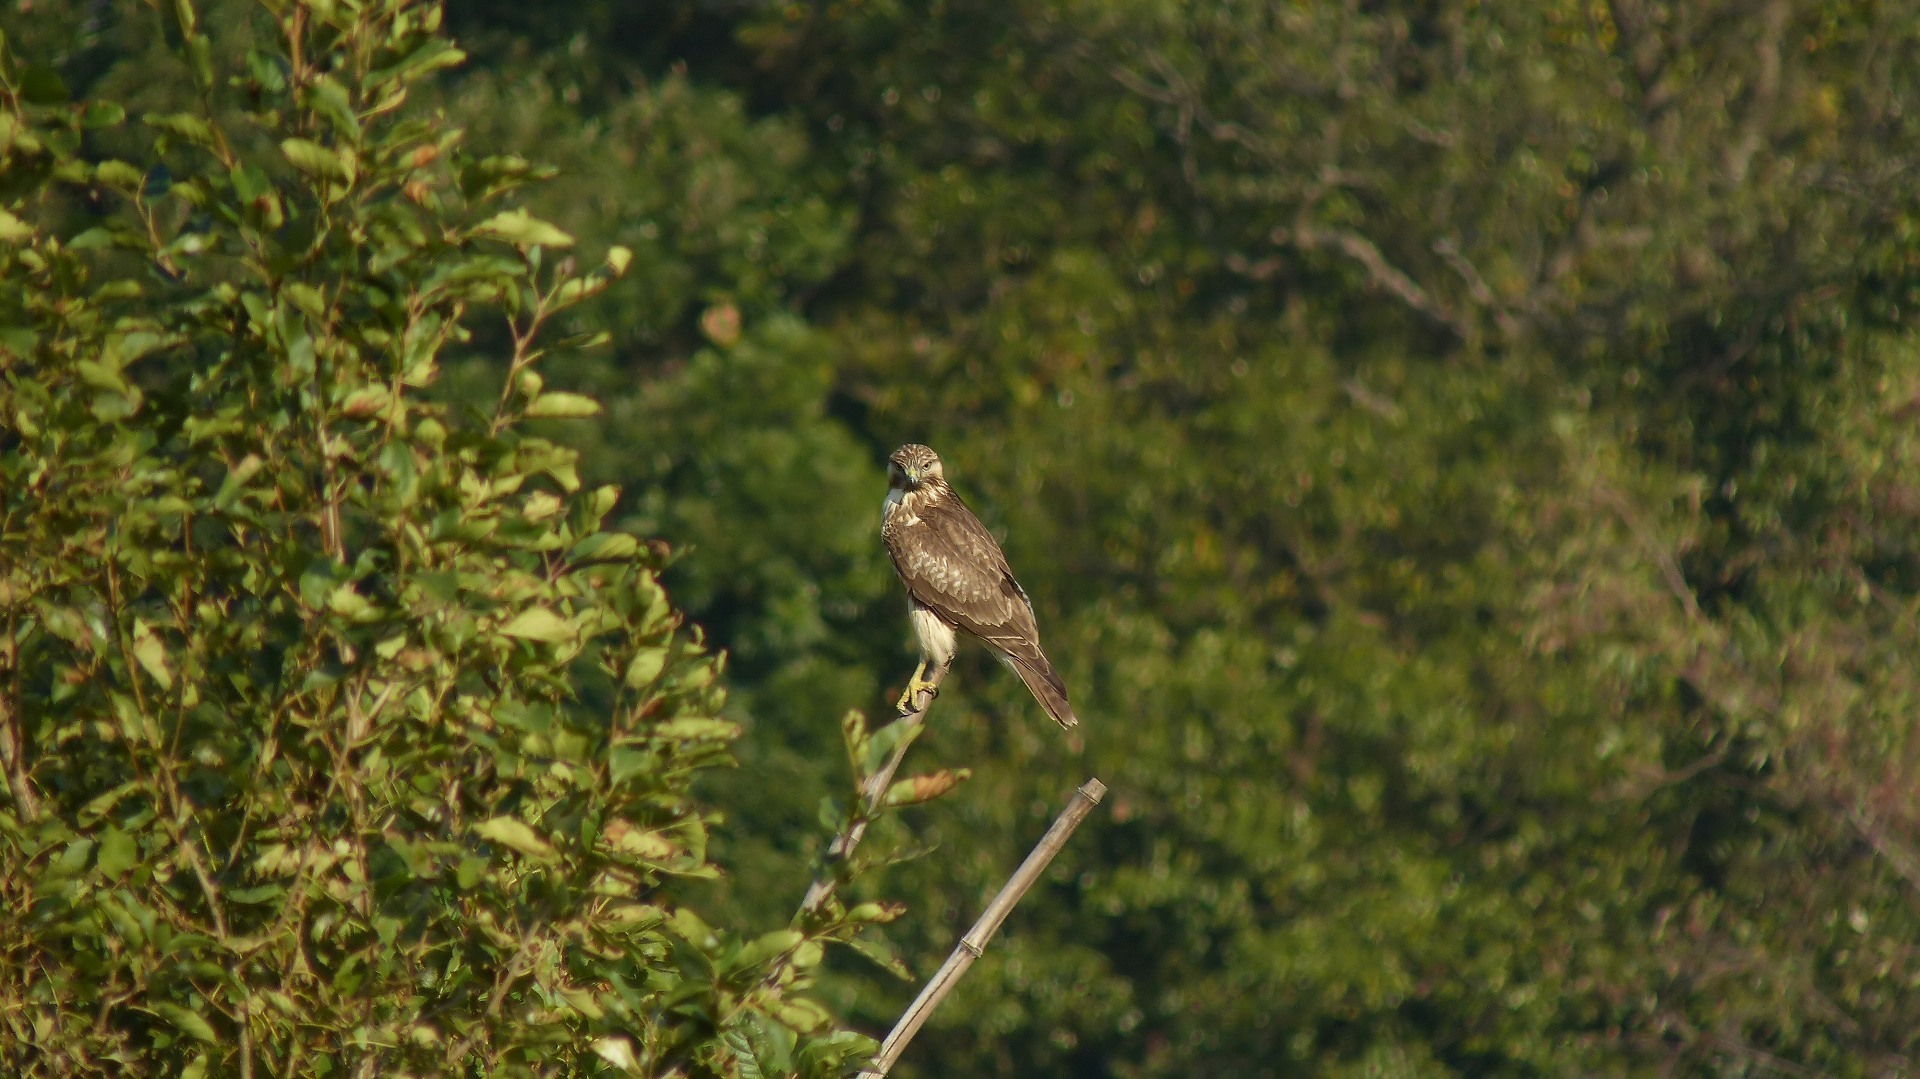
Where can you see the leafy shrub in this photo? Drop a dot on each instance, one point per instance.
(339, 736)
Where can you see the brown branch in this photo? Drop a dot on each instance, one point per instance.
(502, 985)
(13, 757)
(974, 944)
(1766, 91)
(1449, 250)
(1384, 275)
(1902, 859)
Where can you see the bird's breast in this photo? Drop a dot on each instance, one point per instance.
(895, 503)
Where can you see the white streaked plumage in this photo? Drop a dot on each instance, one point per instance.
(957, 578)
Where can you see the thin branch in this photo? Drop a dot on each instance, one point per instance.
(1449, 250)
(1381, 272)
(13, 757)
(871, 795)
(974, 944)
(1765, 91)
(1903, 860)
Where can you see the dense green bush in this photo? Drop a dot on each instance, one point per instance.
(339, 734)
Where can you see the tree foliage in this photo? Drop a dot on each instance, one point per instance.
(1460, 453)
(1456, 448)
(340, 735)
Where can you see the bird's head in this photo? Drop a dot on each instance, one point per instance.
(912, 467)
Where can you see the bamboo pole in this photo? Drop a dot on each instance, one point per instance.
(974, 944)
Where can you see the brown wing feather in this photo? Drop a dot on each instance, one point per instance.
(949, 561)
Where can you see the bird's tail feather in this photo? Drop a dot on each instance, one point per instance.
(1047, 688)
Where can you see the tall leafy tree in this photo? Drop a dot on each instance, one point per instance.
(339, 735)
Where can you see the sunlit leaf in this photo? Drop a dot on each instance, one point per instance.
(518, 227)
(514, 834)
(538, 624)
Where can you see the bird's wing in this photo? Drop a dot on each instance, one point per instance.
(949, 562)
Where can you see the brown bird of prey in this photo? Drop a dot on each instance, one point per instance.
(957, 578)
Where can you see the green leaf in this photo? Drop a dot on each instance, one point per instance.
(539, 624)
(40, 84)
(347, 602)
(644, 843)
(469, 872)
(563, 406)
(433, 55)
(102, 804)
(697, 729)
(880, 951)
(236, 481)
(522, 229)
(514, 834)
(186, 125)
(801, 1014)
(604, 547)
(152, 654)
(200, 60)
(118, 853)
(877, 913)
(265, 893)
(13, 230)
(71, 862)
(316, 160)
(120, 175)
(766, 947)
(645, 667)
(691, 928)
(103, 114)
(188, 1022)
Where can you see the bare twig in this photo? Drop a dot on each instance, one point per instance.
(1383, 274)
(13, 757)
(974, 943)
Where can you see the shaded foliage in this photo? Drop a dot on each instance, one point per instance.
(1460, 454)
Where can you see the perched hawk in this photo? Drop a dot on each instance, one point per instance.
(957, 578)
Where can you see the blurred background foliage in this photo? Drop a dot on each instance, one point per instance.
(1462, 455)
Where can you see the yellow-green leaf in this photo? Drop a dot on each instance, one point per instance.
(152, 654)
(638, 842)
(514, 834)
(188, 1022)
(120, 175)
(522, 229)
(118, 853)
(694, 730)
(539, 624)
(778, 942)
(645, 667)
(563, 406)
(13, 230)
(316, 160)
(366, 401)
(802, 1015)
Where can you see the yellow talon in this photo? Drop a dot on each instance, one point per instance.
(918, 682)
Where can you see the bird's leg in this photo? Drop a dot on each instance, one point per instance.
(918, 682)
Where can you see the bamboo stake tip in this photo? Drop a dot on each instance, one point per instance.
(1094, 790)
